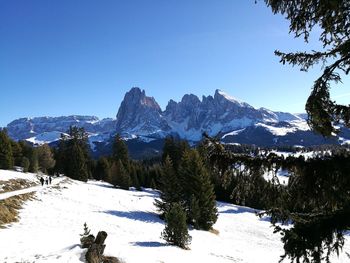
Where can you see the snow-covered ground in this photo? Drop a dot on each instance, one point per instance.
(282, 176)
(49, 228)
(6, 175)
(306, 155)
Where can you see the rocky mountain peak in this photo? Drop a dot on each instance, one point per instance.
(139, 113)
(137, 97)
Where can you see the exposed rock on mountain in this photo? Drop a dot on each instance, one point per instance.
(140, 115)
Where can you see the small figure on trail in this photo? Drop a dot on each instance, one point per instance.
(50, 179)
(46, 181)
(42, 181)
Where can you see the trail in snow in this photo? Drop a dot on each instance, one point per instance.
(19, 192)
(29, 189)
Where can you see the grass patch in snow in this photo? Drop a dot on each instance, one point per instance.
(15, 184)
(9, 208)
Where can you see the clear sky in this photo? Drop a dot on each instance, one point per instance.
(64, 57)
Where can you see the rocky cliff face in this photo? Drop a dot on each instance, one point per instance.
(221, 113)
(140, 115)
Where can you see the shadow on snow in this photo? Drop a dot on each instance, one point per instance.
(148, 244)
(239, 210)
(142, 216)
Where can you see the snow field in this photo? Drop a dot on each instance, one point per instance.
(49, 228)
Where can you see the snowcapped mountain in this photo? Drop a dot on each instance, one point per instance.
(140, 118)
(41, 130)
(214, 115)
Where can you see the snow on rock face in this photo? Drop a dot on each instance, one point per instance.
(45, 137)
(222, 113)
(26, 128)
(289, 127)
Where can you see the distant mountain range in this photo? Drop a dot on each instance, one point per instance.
(140, 119)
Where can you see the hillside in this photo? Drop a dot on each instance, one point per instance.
(49, 228)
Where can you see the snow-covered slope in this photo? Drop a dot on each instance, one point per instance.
(45, 137)
(49, 228)
(49, 128)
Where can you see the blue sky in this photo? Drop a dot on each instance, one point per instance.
(64, 57)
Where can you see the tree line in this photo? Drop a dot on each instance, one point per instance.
(22, 154)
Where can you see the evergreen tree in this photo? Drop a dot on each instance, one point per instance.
(73, 154)
(176, 232)
(124, 177)
(332, 20)
(76, 165)
(174, 149)
(102, 169)
(45, 158)
(113, 174)
(6, 156)
(60, 155)
(17, 153)
(170, 187)
(194, 212)
(134, 178)
(25, 164)
(119, 176)
(120, 150)
(195, 183)
(33, 159)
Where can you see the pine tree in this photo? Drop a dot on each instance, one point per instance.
(120, 150)
(77, 166)
(195, 183)
(174, 149)
(73, 154)
(194, 212)
(34, 164)
(45, 158)
(102, 169)
(124, 177)
(17, 153)
(170, 187)
(176, 232)
(119, 176)
(332, 22)
(25, 164)
(86, 239)
(6, 156)
(134, 178)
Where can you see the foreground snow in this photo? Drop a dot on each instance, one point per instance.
(49, 229)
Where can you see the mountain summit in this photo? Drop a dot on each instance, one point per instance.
(140, 117)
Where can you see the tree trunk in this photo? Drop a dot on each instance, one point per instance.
(95, 251)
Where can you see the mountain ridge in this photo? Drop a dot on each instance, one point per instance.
(140, 117)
